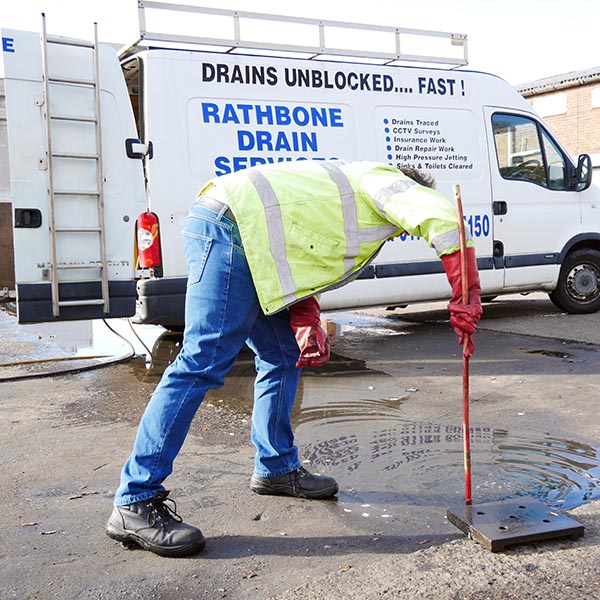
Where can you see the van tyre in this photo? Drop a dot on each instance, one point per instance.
(578, 289)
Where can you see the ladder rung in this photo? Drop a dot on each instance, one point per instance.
(76, 193)
(73, 155)
(80, 302)
(79, 267)
(77, 229)
(72, 80)
(68, 42)
(79, 119)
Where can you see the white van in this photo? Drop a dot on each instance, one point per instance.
(170, 119)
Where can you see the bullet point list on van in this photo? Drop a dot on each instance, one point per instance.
(431, 144)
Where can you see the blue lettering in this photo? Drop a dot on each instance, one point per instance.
(264, 114)
(278, 141)
(246, 110)
(8, 44)
(229, 164)
(222, 165)
(479, 225)
(264, 141)
(245, 140)
(210, 112)
(301, 116)
(229, 115)
(335, 115)
(283, 115)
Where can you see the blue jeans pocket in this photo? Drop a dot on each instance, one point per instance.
(197, 249)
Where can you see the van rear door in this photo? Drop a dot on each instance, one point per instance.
(75, 194)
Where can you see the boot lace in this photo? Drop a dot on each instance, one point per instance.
(160, 512)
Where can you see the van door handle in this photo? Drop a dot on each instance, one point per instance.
(28, 218)
(500, 207)
(135, 149)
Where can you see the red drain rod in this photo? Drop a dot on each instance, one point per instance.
(466, 340)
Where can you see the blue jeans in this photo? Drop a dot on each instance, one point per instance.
(221, 314)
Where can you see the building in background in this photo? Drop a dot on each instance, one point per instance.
(570, 104)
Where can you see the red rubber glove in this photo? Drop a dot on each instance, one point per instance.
(464, 317)
(305, 319)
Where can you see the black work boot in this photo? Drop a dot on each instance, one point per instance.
(154, 526)
(299, 483)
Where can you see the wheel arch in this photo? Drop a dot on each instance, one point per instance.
(590, 239)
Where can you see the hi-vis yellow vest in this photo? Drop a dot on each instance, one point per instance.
(309, 226)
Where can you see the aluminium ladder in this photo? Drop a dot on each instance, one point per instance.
(63, 196)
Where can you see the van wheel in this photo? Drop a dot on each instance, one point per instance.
(578, 289)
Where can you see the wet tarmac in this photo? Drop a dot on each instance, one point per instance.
(357, 421)
(384, 418)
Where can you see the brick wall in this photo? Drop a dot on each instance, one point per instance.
(579, 128)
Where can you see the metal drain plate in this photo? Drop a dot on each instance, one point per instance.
(496, 525)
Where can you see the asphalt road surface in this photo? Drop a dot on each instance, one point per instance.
(384, 418)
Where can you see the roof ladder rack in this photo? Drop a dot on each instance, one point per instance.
(73, 161)
(316, 36)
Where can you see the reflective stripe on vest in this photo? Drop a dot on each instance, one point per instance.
(398, 187)
(348, 198)
(276, 232)
(440, 242)
(353, 235)
(447, 240)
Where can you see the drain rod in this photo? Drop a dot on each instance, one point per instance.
(466, 341)
(499, 524)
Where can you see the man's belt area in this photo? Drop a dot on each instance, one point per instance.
(215, 205)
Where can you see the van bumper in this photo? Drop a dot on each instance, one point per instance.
(161, 302)
(34, 301)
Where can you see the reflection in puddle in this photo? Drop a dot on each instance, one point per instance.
(421, 463)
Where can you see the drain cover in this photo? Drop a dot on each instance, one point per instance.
(496, 525)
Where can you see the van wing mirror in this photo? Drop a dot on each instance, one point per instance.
(583, 175)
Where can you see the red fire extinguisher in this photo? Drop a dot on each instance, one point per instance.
(149, 255)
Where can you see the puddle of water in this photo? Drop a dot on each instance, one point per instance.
(349, 322)
(80, 338)
(422, 463)
(49, 348)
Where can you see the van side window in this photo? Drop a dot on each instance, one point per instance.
(526, 152)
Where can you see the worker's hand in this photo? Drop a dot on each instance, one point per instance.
(305, 319)
(464, 317)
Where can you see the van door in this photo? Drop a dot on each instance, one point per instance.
(535, 213)
(75, 194)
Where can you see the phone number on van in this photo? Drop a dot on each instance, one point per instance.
(479, 226)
